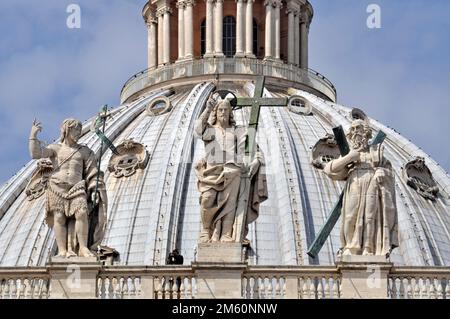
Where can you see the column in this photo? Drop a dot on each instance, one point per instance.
(268, 45)
(166, 20)
(249, 29)
(189, 29)
(218, 28)
(304, 41)
(160, 41)
(297, 37)
(209, 48)
(240, 33)
(181, 37)
(277, 32)
(291, 35)
(152, 45)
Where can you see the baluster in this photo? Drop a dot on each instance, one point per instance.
(1, 288)
(416, 288)
(255, 288)
(269, 288)
(100, 287)
(167, 287)
(175, 289)
(326, 287)
(182, 288)
(159, 288)
(45, 289)
(401, 288)
(320, 288)
(304, 288)
(107, 284)
(116, 287)
(261, 288)
(394, 288)
(248, 288)
(124, 287)
(335, 291)
(7, 288)
(277, 287)
(447, 289)
(190, 291)
(132, 287)
(27, 283)
(13, 289)
(312, 288)
(440, 289)
(432, 294)
(424, 290)
(35, 288)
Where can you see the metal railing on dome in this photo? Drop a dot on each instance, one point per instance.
(244, 66)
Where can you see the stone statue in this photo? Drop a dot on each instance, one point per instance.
(369, 212)
(219, 172)
(70, 191)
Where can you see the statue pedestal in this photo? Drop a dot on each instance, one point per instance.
(73, 278)
(219, 268)
(219, 253)
(364, 277)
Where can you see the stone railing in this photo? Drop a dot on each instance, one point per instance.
(256, 282)
(228, 69)
(419, 283)
(24, 283)
(153, 282)
(291, 283)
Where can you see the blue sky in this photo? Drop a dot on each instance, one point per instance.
(398, 74)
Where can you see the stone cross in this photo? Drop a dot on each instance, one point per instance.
(255, 102)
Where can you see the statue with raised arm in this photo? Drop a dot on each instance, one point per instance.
(219, 172)
(369, 213)
(74, 188)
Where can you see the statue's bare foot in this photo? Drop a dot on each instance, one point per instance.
(85, 252)
(367, 252)
(214, 238)
(204, 236)
(226, 239)
(62, 254)
(346, 252)
(70, 253)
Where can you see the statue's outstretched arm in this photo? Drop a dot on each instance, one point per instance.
(202, 123)
(34, 144)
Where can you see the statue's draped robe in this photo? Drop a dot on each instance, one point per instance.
(220, 170)
(78, 196)
(369, 213)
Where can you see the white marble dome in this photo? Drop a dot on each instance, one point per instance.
(156, 208)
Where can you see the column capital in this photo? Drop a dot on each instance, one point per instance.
(180, 4)
(210, 1)
(240, 1)
(219, 1)
(189, 3)
(164, 10)
(150, 21)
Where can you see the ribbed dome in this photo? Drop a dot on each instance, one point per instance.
(157, 208)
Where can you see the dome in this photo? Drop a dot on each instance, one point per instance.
(155, 206)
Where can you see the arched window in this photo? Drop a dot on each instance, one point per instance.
(203, 37)
(229, 36)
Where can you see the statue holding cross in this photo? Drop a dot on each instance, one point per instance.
(231, 176)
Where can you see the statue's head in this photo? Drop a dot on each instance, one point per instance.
(71, 128)
(359, 135)
(223, 114)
